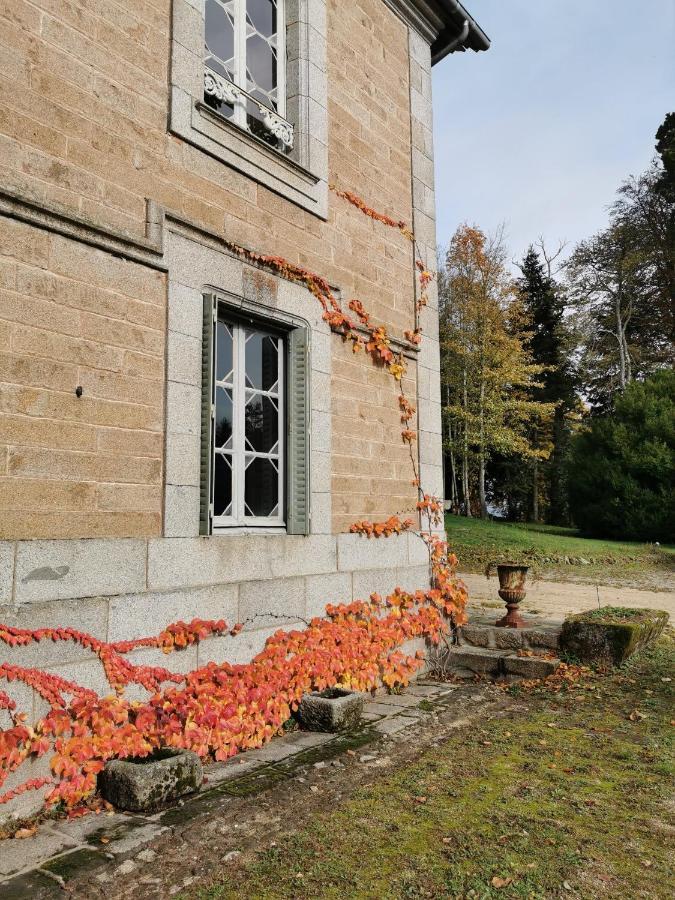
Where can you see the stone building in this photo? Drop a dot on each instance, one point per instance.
(180, 434)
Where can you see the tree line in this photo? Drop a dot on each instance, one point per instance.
(544, 374)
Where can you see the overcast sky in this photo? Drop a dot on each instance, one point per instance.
(539, 131)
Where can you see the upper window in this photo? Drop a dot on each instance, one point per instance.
(249, 87)
(245, 67)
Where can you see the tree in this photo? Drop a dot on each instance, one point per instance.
(622, 469)
(549, 343)
(622, 282)
(665, 147)
(487, 373)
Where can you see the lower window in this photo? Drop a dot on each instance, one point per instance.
(254, 422)
(249, 420)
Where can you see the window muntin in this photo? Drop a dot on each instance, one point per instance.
(248, 425)
(245, 66)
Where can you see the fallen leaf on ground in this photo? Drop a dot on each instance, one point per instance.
(636, 716)
(25, 832)
(498, 882)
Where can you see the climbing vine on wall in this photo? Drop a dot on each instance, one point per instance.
(221, 709)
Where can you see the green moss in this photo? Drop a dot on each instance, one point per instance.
(609, 636)
(253, 784)
(568, 791)
(618, 615)
(73, 864)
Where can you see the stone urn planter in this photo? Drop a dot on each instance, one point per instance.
(512, 578)
(141, 784)
(332, 710)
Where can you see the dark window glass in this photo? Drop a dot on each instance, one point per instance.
(262, 361)
(224, 413)
(262, 488)
(223, 353)
(262, 424)
(222, 486)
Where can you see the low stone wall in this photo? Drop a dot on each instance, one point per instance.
(125, 589)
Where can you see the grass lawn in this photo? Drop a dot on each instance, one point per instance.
(563, 795)
(548, 548)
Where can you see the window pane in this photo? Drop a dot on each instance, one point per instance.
(262, 488)
(262, 361)
(222, 486)
(223, 352)
(219, 48)
(262, 424)
(262, 15)
(223, 436)
(261, 56)
(219, 35)
(261, 65)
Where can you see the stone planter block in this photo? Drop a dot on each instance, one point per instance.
(333, 710)
(144, 784)
(609, 636)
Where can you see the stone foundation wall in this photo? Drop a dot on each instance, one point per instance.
(124, 589)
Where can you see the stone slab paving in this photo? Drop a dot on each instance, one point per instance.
(41, 865)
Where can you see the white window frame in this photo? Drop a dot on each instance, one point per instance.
(236, 93)
(240, 454)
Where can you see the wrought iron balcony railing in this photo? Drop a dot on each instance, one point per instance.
(226, 91)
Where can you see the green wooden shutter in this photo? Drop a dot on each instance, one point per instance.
(206, 480)
(298, 515)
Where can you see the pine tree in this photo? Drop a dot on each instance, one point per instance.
(548, 340)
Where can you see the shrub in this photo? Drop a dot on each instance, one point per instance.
(622, 469)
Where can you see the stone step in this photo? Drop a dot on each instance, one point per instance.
(488, 636)
(497, 663)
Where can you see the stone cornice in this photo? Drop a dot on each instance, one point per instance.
(419, 15)
(440, 23)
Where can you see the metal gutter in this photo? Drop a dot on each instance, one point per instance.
(460, 31)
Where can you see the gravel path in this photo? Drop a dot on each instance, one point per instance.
(557, 599)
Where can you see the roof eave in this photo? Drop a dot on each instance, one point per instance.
(456, 21)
